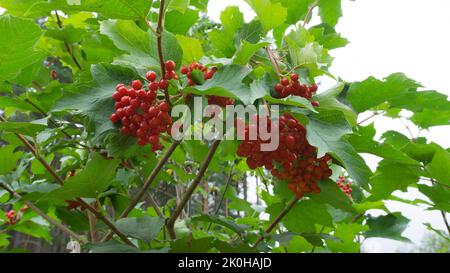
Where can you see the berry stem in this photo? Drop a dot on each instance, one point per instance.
(170, 223)
(60, 181)
(274, 62)
(159, 32)
(52, 221)
(146, 185)
(278, 219)
(308, 14)
(66, 44)
(219, 205)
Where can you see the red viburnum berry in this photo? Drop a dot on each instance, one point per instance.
(150, 76)
(170, 65)
(136, 84)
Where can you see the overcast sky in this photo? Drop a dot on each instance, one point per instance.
(409, 36)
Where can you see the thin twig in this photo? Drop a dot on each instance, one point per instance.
(274, 62)
(52, 221)
(146, 185)
(371, 116)
(275, 222)
(308, 14)
(151, 200)
(50, 119)
(60, 181)
(170, 223)
(223, 195)
(66, 44)
(159, 31)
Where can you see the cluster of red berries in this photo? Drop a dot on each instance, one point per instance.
(207, 74)
(292, 86)
(139, 111)
(295, 160)
(13, 217)
(345, 186)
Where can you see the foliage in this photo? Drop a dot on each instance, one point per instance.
(60, 62)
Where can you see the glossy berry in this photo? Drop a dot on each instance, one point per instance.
(137, 84)
(294, 77)
(184, 70)
(150, 76)
(138, 111)
(294, 161)
(163, 84)
(170, 65)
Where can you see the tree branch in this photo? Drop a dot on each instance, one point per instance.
(275, 222)
(66, 44)
(60, 181)
(52, 221)
(159, 31)
(170, 223)
(146, 185)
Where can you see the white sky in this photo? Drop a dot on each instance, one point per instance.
(386, 36)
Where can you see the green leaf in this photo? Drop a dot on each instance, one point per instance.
(390, 226)
(25, 33)
(347, 234)
(221, 221)
(327, 36)
(246, 51)
(296, 9)
(178, 5)
(391, 176)
(303, 217)
(330, 193)
(8, 158)
(226, 247)
(123, 9)
(189, 244)
(180, 23)
(26, 128)
(251, 32)
(223, 40)
(227, 82)
(89, 182)
(292, 101)
(325, 131)
(438, 194)
(96, 102)
(330, 11)
(144, 228)
(141, 45)
(34, 229)
(192, 49)
(439, 167)
(363, 142)
(372, 92)
(112, 247)
(328, 101)
(270, 14)
(429, 118)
